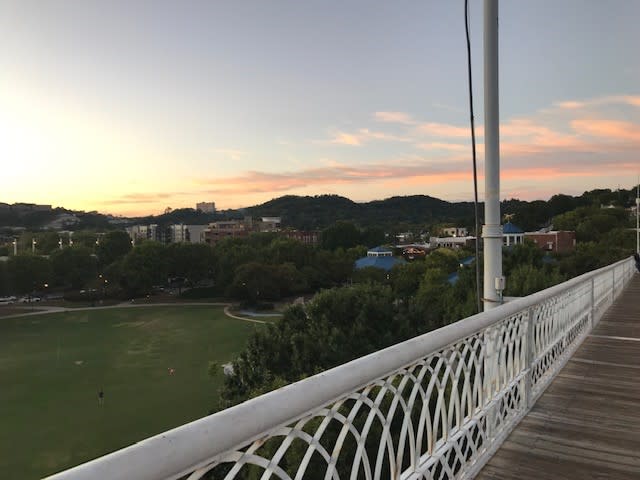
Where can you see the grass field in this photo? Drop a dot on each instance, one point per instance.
(52, 367)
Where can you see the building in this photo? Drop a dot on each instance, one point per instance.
(455, 232)
(561, 241)
(138, 233)
(379, 257)
(413, 251)
(512, 235)
(206, 207)
(217, 231)
(306, 237)
(195, 233)
(269, 224)
(452, 242)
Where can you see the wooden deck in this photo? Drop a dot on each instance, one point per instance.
(587, 423)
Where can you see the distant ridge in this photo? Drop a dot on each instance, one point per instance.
(319, 211)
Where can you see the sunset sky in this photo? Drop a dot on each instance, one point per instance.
(128, 107)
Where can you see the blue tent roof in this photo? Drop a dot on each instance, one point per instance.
(385, 263)
(467, 261)
(510, 228)
(452, 278)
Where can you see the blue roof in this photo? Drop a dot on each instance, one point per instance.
(510, 228)
(467, 261)
(385, 263)
(452, 278)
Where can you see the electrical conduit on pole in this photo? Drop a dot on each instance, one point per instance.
(492, 229)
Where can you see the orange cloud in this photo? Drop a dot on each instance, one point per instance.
(342, 138)
(442, 130)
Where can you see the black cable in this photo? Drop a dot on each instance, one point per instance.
(475, 168)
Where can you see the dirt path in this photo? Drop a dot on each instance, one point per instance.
(42, 310)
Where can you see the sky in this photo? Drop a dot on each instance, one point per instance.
(129, 107)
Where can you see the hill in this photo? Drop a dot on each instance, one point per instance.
(320, 211)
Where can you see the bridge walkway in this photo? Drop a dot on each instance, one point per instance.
(586, 425)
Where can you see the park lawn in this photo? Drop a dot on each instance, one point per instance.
(52, 367)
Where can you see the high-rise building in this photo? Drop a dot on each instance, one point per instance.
(206, 207)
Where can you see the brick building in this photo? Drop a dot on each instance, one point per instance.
(561, 241)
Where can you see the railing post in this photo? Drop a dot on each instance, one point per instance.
(613, 284)
(529, 357)
(490, 380)
(593, 303)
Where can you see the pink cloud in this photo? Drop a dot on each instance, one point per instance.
(443, 146)
(394, 117)
(608, 129)
(631, 100)
(363, 136)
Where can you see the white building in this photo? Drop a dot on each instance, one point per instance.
(455, 232)
(187, 233)
(452, 242)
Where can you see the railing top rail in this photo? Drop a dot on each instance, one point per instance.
(176, 452)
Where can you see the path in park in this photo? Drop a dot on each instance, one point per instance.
(43, 310)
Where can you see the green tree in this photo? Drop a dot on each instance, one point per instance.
(406, 278)
(28, 273)
(85, 239)
(113, 245)
(74, 266)
(340, 235)
(47, 242)
(194, 262)
(370, 275)
(5, 283)
(255, 282)
(337, 326)
(145, 266)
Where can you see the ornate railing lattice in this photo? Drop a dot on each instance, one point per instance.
(434, 407)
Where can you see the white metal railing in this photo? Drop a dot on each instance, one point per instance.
(436, 406)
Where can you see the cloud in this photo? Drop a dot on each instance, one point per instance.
(631, 100)
(562, 142)
(363, 136)
(443, 146)
(608, 129)
(442, 130)
(394, 117)
(570, 105)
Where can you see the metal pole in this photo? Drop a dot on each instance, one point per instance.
(492, 229)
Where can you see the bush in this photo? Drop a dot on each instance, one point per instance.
(200, 292)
